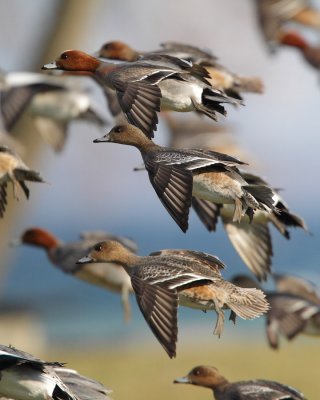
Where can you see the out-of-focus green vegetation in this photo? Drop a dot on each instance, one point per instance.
(143, 371)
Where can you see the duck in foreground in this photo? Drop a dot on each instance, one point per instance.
(13, 169)
(65, 255)
(258, 389)
(144, 85)
(291, 312)
(168, 277)
(178, 174)
(219, 76)
(24, 377)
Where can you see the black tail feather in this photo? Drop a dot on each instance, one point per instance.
(263, 194)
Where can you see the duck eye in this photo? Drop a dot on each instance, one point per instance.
(196, 372)
(118, 129)
(64, 56)
(98, 247)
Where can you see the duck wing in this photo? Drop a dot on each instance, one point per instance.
(140, 103)
(173, 186)
(158, 305)
(3, 198)
(11, 357)
(85, 388)
(253, 243)
(194, 257)
(261, 390)
(207, 211)
(14, 102)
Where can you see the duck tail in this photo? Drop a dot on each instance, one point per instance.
(27, 175)
(247, 303)
(262, 194)
(288, 218)
(211, 97)
(249, 84)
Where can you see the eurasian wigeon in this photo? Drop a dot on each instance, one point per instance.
(219, 76)
(258, 389)
(24, 377)
(298, 286)
(117, 50)
(65, 255)
(52, 101)
(168, 277)
(310, 53)
(252, 241)
(143, 86)
(289, 314)
(14, 170)
(177, 175)
(274, 14)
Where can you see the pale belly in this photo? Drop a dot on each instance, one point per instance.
(59, 106)
(203, 305)
(107, 275)
(26, 384)
(202, 297)
(178, 97)
(215, 187)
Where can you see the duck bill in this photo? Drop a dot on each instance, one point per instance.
(105, 138)
(52, 65)
(184, 379)
(85, 260)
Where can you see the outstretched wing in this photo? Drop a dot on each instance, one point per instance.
(158, 305)
(3, 198)
(207, 211)
(253, 243)
(140, 103)
(173, 186)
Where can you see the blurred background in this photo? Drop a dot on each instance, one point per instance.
(93, 187)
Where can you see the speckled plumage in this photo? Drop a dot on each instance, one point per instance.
(177, 174)
(168, 277)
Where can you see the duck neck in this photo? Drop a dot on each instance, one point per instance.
(132, 55)
(103, 70)
(220, 385)
(128, 259)
(146, 146)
